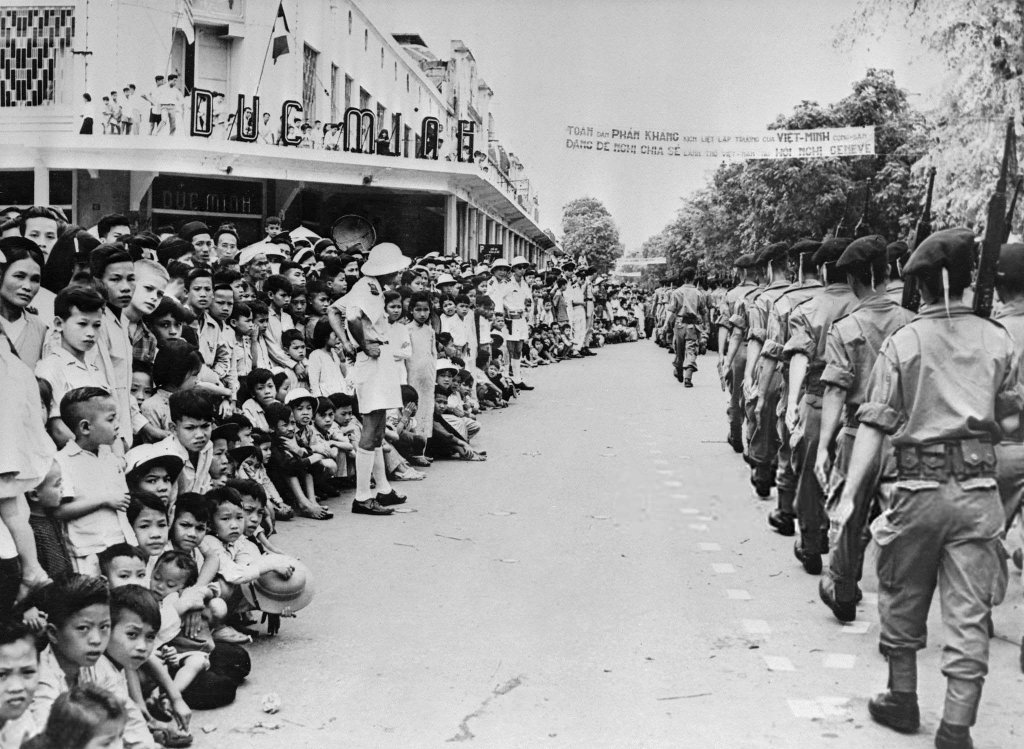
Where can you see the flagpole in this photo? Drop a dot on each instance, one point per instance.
(266, 52)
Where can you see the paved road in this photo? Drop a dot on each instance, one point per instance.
(605, 580)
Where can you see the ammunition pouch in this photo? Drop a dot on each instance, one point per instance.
(966, 459)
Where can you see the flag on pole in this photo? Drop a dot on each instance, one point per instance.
(186, 21)
(280, 33)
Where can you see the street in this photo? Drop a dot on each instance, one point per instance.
(605, 579)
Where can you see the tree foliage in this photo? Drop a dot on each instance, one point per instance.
(589, 232)
(979, 42)
(748, 205)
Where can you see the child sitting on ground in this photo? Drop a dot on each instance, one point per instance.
(332, 434)
(404, 432)
(445, 441)
(174, 585)
(303, 405)
(261, 392)
(290, 463)
(91, 714)
(252, 461)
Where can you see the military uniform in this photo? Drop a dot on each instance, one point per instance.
(688, 306)
(1010, 451)
(763, 448)
(851, 348)
(898, 254)
(943, 405)
(734, 317)
(778, 336)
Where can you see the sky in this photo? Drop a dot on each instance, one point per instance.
(694, 66)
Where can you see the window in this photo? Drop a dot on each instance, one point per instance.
(350, 23)
(396, 70)
(309, 79)
(366, 39)
(381, 58)
(348, 92)
(405, 141)
(382, 123)
(406, 83)
(334, 93)
(364, 98)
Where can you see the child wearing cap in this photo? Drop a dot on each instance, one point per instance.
(290, 464)
(304, 405)
(153, 468)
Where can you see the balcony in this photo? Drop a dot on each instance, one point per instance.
(218, 11)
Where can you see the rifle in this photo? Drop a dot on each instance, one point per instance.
(911, 293)
(995, 230)
(1013, 207)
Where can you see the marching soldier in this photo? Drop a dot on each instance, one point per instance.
(809, 325)
(943, 408)
(732, 345)
(851, 348)
(805, 286)
(764, 439)
(1010, 452)
(687, 312)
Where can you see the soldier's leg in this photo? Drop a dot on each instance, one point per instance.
(1010, 477)
(690, 354)
(810, 497)
(785, 476)
(972, 578)
(679, 347)
(736, 411)
(764, 443)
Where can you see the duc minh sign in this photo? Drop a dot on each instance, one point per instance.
(821, 143)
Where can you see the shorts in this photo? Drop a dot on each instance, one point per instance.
(155, 118)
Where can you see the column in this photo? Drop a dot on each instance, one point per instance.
(451, 217)
(41, 185)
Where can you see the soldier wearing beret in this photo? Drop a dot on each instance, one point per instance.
(732, 344)
(943, 407)
(1010, 451)
(809, 324)
(761, 410)
(805, 286)
(851, 347)
(687, 311)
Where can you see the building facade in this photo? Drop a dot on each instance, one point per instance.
(299, 108)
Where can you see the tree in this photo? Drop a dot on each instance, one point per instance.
(979, 43)
(589, 232)
(748, 205)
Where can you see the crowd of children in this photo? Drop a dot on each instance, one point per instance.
(176, 399)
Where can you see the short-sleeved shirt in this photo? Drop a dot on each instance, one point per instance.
(853, 343)
(727, 305)
(809, 324)
(377, 381)
(778, 318)
(929, 383)
(689, 305)
(64, 373)
(758, 312)
(193, 477)
(97, 475)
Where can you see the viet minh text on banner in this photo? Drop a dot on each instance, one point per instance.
(821, 143)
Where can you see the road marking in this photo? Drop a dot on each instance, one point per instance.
(860, 627)
(722, 568)
(736, 594)
(665, 471)
(672, 484)
(756, 627)
(705, 518)
(681, 496)
(869, 599)
(820, 707)
(689, 510)
(709, 547)
(698, 527)
(778, 663)
(660, 462)
(657, 452)
(838, 660)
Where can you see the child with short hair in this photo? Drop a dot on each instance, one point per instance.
(51, 548)
(176, 367)
(421, 365)
(261, 392)
(124, 564)
(325, 424)
(290, 465)
(78, 317)
(95, 517)
(148, 516)
(241, 326)
(304, 405)
(78, 630)
(399, 343)
(191, 425)
(19, 665)
(167, 320)
(318, 298)
(293, 342)
(261, 324)
(402, 433)
(252, 463)
(84, 717)
(174, 577)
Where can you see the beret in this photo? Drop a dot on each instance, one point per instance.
(227, 431)
(804, 246)
(952, 249)
(831, 249)
(897, 250)
(864, 252)
(193, 229)
(172, 248)
(105, 255)
(1011, 263)
(19, 243)
(745, 260)
(772, 252)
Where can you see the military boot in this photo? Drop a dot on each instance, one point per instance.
(959, 714)
(897, 707)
